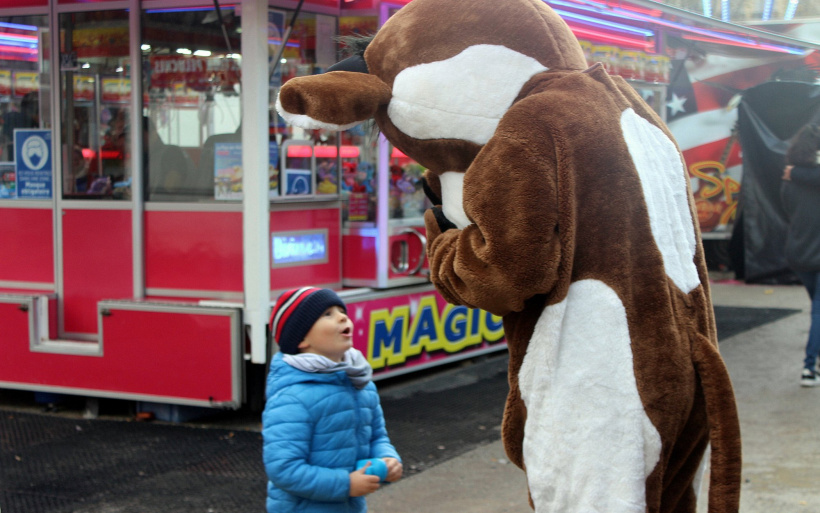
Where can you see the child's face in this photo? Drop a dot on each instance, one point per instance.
(330, 336)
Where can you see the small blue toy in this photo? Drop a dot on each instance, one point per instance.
(377, 467)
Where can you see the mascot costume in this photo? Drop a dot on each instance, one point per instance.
(563, 205)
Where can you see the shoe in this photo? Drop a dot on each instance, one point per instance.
(809, 378)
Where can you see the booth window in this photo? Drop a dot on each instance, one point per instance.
(304, 163)
(95, 88)
(406, 200)
(24, 98)
(192, 132)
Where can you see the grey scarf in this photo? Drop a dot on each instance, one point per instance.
(353, 363)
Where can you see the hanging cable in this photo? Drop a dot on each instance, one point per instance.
(285, 38)
(222, 24)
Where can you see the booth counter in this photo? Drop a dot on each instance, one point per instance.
(154, 205)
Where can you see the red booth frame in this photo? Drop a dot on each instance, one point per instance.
(183, 316)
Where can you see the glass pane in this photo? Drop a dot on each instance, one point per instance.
(359, 183)
(95, 93)
(406, 202)
(407, 198)
(312, 156)
(24, 88)
(193, 140)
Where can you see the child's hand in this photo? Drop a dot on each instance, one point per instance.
(394, 469)
(361, 483)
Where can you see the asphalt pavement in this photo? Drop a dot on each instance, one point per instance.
(445, 422)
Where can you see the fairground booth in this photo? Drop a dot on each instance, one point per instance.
(153, 205)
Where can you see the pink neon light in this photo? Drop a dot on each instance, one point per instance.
(90, 154)
(29, 58)
(19, 37)
(654, 16)
(299, 151)
(634, 8)
(688, 28)
(611, 38)
(323, 152)
(17, 49)
(758, 46)
(278, 40)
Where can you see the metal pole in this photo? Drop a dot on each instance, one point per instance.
(255, 181)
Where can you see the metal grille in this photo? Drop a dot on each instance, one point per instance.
(55, 464)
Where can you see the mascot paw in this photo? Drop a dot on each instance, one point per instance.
(444, 224)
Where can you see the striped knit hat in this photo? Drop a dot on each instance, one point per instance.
(295, 312)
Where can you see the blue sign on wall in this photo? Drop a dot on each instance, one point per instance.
(306, 247)
(33, 163)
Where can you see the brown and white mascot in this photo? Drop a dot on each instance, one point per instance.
(565, 208)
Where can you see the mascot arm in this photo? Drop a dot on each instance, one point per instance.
(512, 249)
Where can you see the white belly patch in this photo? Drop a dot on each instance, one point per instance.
(663, 181)
(588, 443)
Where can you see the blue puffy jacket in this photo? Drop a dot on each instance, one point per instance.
(316, 426)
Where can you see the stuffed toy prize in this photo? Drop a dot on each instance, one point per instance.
(563, 205)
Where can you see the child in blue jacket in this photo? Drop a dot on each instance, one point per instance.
(322, 414)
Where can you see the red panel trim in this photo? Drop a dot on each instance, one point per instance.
(194, 251)
(27, 250)
(97, 264)
(203, 250)
(162, 354)
(179, 354)
(299, 276)
(17, 4)
(15, 331)
(359, 257)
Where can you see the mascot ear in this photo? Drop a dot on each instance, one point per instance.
(335, 100)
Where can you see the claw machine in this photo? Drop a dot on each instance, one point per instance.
(383, 240)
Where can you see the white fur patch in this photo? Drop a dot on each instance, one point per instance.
(462, 97)
(452, 198)
(697, 483)
(309, 123)
(588, 443)
(663, 180)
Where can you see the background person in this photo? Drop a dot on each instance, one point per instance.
(27, 117)
(800, 193)
(80, 167)
(323, 413)
(166, 168)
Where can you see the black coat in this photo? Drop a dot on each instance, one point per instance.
(801, 200)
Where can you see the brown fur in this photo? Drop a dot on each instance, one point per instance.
(554, 198)
(569, 208)
(342, 97)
